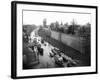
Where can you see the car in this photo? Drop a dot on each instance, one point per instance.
(59, 60)
(51, 54)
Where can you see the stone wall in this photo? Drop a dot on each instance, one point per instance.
(72, 41)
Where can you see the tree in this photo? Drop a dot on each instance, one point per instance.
(72, 29)
(66, 24)
(52, 26)
(66, 27)
(56, 25)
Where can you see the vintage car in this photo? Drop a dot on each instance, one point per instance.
(59, 60)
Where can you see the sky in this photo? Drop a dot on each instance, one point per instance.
(36, 17)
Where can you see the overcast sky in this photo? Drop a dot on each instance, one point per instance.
(36, 17)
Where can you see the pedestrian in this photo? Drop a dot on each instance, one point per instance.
(36, 51)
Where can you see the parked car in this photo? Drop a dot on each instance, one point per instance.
(59, 60)
(51, 54)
